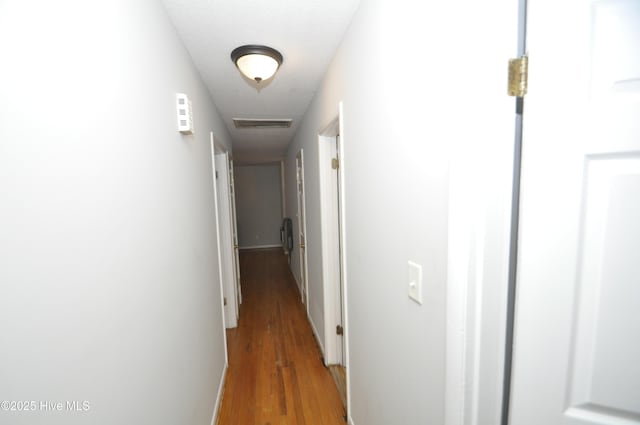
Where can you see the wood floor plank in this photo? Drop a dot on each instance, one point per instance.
(275, 374)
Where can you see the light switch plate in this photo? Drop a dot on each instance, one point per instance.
(185, 113)
(415, 282)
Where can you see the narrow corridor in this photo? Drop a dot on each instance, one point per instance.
(276, 375)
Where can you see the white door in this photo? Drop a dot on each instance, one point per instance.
(234, 231)
(337, 214)
(226, 239)
(330, 172)
(302, 228)
(577, 329)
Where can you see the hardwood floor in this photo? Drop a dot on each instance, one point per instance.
(275, 375)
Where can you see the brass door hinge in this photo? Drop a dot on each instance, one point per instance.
(518, 76)
(339, 330)
(335, 163)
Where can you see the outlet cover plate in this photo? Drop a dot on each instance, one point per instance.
(415, 282)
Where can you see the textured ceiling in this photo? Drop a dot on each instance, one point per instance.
(306, 32)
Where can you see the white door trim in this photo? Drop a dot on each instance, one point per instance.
(343, 244)
(478, 252)
(234, 236)
(477, 288)
(302, 229)
(332, 253)
(226, 238)
(218, 244)
(282, 189)
(334, 266)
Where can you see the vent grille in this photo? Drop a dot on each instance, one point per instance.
(261, 123)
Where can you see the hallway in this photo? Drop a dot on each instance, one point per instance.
(463, 212)
(276, 374)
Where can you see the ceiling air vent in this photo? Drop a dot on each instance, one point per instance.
(261, 123)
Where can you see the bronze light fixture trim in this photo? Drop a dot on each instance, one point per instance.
(257, 62)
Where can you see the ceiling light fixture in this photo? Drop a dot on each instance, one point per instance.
(256, 62)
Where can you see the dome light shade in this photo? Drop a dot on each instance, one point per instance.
(257, 62)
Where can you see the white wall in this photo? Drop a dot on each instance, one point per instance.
(108, 264)
(258, 204)
(423, 89)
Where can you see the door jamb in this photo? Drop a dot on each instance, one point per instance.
(223, 211)
(328, 230)
(515, 228)
(302, 225)
(343, 245)
(332, 252)
(480, 266)
(234, 235)
(217, 220)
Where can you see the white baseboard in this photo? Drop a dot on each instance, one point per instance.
(216, 407)
(261, 246)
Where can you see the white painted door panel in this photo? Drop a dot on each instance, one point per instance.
(302, 226)
(577, 330)
(226, 239)
(234, 229)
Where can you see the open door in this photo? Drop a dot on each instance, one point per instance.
(336, 183)
(332, 250)
(333, 271)
(577, 328)
(226, 220)
(225, 312)
(302, 229)
(234, 233)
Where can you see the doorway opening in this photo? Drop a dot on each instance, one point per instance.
(330, 148)
(302, 229)
(227, 234)
(234, 233)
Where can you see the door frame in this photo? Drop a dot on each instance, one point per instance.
(302, 229)
(218, 244)
(283, 198)
(479, 251)
(331, 225)
(234, 234)
(225, 236)
(510, 301)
